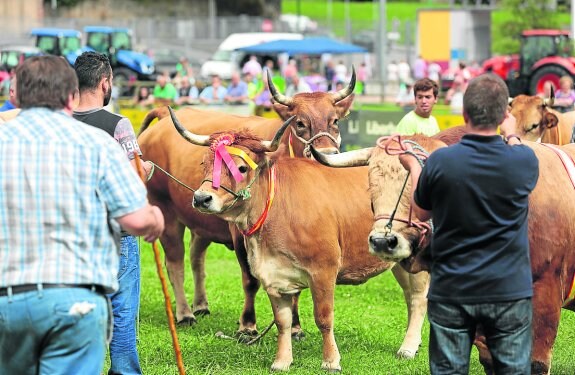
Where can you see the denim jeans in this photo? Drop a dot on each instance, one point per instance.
(125, 306)
(53, 331)
(507, 328)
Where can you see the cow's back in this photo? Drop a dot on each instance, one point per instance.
(161, 144)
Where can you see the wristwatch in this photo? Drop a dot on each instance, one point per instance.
(507, 138)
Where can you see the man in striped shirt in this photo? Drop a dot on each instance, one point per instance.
(64, 188)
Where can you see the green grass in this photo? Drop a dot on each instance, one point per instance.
(370, 320)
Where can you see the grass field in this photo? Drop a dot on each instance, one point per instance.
(369, 324)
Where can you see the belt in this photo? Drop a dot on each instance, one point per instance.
(32, 287)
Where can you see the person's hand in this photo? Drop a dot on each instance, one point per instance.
(158, 228)
(509, 125)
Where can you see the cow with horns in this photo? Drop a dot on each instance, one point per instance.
(290, 248)
(538, 121)
(552, 250)
(316, 121)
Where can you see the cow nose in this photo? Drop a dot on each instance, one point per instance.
(383, 244)
(202, 200)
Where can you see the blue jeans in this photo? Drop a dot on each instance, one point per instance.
(125, 306)
(40, 333)
(507, 328)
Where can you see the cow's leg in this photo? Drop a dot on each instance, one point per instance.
(173, 243)
(546, 315)
(281, 306)
(251, 286)
(198, 247)
(415, 288)
(322, 292)
(296, 331)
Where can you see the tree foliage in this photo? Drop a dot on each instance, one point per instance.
(527, 14)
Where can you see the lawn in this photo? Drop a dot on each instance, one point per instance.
(369, 324)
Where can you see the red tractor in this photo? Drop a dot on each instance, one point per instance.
(546, 55)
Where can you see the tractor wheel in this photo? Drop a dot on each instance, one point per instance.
(547, 73)
(124, 79)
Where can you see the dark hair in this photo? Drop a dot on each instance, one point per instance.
(45, 81)
(485, 101)
(90, 68)
(425, 84)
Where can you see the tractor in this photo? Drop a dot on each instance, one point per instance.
(60, 42)
(546, 55)
(128, 65)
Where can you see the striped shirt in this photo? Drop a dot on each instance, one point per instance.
(60, 180)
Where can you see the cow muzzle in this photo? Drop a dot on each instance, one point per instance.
(383, 243)
(202, 200)
(389, 246)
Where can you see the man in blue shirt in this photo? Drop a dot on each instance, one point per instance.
(237, 91)
(215, 93)
(9, 104)
(65, 188)
(480, 272)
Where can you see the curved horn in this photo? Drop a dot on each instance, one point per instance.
(355, 158)
(280, 98)
(551, 99)
(344, 93)
(200, 140)
(273, 145)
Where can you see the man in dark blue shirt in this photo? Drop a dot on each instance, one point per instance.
(477, 193)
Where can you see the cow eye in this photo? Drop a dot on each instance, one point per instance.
(300, 125)
(336, 122)
(243, 169)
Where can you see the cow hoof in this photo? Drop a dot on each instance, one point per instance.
(539, 368)
(298, 335)
(187, 321)
(202, 312)
(246, 335)
(331, 367)
(280, 366)
(406, 353)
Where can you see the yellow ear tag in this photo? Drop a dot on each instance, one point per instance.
(243, 155)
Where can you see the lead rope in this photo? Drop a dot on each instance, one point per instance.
(154, 166)
(168, 305)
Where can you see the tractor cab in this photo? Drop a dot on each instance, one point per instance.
(127, 64)
(59, 42)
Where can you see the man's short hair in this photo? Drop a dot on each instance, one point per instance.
(425, 84)
(45, 81)
(485, 101)
(90, 68)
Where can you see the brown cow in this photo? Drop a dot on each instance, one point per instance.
(551, 234)
(317, 115)
(538, 121)
(308, 233)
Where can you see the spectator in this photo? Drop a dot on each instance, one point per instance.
(297, 86)
(237, 91)
(454, 96)
(263, 98)
(565, 97)
(253, 67)
(340, 72)
(290, 71)
(215, 93)
(95, 85)
(9, 104)
(403, 72)
(405, 97)
(420, 119)
(164, 91)
(480, 268)
(59, 257)
(184, 70)
(463, 74)
(393, 77)
(362, 76)
(191, 96)
(143, 96)
(329, 74)
(420, 68)
(434, 72)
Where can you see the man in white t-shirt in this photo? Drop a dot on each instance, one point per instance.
(420, 120)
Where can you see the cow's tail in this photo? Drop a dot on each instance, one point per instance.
(156, 113)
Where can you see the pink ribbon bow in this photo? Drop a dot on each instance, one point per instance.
(219, 148)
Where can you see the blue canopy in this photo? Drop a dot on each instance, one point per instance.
(306, 46)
